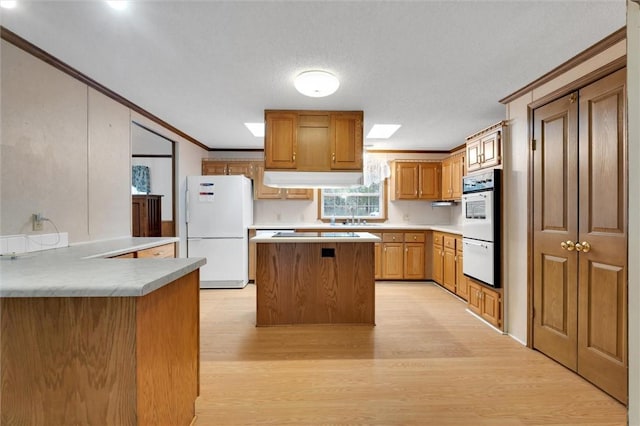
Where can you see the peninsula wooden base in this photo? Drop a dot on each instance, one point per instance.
(102, 360)
(315, 283)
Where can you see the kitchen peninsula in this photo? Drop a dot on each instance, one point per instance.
(315, 278)
(88, 338)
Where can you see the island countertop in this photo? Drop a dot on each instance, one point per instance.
(85, 270)
(368, 227)
(338, 236)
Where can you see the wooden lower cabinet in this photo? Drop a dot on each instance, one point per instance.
(447, 264)
(485, 302)
(159, 252)
(402, 256)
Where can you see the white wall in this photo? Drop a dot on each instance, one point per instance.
(633, 96)
(65, 152)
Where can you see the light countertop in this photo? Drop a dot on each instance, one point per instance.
(341, 236)
(369, 227)
(84, 270)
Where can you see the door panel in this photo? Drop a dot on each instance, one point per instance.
(602, 280)
(555, 221)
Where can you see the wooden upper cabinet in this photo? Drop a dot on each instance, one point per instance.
(483, 148)
(313, 140)
(452, 172)
(412, 180)
(280, 140)
(228, 167)
(346, 140)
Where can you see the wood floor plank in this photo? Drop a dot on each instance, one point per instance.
(426, 362)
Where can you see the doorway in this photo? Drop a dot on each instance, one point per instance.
(579, 170)
(153, 157)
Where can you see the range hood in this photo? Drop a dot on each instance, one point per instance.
(295, 179)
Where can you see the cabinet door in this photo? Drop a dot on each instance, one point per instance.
(475, 297)
(280, 142)
(462, 287)
(260, 191)
(473, 155)
(449, 269)
(438, 264)
(406, 184)
(345, 132)
(457, 171)
(214, 167)
(446, 179)
(298, 194)
(377, 254)
(490, 304)
(244, 168)
(490, 150)
(414, 261)
(429, 181)
(392, 261)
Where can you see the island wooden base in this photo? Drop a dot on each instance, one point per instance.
(315, 283)
(102, 360)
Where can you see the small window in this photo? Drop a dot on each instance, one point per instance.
(364, 202)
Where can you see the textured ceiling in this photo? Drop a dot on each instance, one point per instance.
(436, 67)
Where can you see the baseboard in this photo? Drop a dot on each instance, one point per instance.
(486, 322)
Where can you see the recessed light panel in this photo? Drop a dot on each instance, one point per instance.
(257, 129)
(382, 131)
(8, 4)
(117, 4)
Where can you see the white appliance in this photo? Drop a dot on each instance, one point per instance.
(481, 227)
(219, 211)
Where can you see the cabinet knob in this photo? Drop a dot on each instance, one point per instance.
(333, 157)
(294, 157)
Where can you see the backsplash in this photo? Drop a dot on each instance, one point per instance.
(23, 243)
(400, 212)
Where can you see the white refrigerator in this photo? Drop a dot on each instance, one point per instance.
(219, 211)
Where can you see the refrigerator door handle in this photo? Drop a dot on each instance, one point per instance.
(186, 207)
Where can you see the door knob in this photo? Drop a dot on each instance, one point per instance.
(568, 245)
(584, 247)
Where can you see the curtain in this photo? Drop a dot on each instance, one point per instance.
(375, 170)
(140, 180)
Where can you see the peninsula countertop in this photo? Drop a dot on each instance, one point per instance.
(86, 270)
(338, 236)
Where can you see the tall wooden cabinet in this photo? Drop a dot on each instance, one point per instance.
(146, 215)
(453, 168)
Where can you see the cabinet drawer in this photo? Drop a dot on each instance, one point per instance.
(450, 242)
(438, 238)
(392, 237)
(167, 250)
(414, 237)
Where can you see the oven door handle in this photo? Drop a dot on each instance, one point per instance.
(477, 244)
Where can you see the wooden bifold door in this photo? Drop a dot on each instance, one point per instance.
(580, 232)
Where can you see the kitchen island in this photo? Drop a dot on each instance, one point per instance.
(87, 338)
(315, 278)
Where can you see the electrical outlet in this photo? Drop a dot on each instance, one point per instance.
(37, 222)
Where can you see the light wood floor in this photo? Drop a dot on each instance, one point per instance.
(426, 362)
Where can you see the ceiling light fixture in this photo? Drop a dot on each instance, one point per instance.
(117, 4)
(8, 4)
(382, 131)
(257, 129)
(316, 84)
